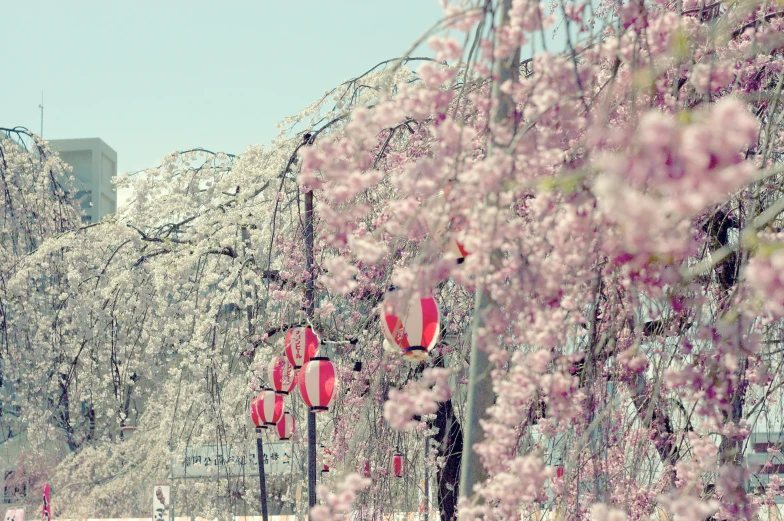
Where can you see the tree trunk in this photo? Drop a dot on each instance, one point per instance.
(450, 445)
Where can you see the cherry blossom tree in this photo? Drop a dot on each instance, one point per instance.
(620, 205)
(618, 221)
(37, 205)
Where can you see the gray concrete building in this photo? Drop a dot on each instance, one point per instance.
(94, 164)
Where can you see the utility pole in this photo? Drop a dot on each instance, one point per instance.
(480, 385)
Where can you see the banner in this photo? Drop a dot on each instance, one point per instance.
(46, 512)
(160, 503)
(211, 460)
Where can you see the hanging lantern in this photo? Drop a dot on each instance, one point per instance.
(442, 229)
(326, 459)
(282, 376)
(301, 344)
(397, 465)
(559, 472)
(285, 426)
(366, 469)
(317, 383)
(269, 408)
(254, 416)
(413, 328)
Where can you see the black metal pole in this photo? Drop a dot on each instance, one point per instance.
(262, 478)
(311, 459)
(310, 301)
(427, 481)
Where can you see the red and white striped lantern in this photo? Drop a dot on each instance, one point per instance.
(412, 327)
(282, 376)
(285, 426)
(442, 228)
(269, 407)
(326, 459)
(254, 415)
(317, 383)
(301, 345)
(398, 465)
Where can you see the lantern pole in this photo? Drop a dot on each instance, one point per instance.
(262, 477)
(480, 385)
(310, 302)
(427, 480)
(259, 430)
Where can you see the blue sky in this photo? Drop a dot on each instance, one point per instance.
(151, 77)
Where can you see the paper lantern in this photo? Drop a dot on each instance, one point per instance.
(366, 469)
(269, 409)
(254, 415)
(317, 382)
(397, 465)
(442, 228)
(46, 512)
(285, 426)
(412, 327)
(282, 376)
(301, 345)
(326, 459)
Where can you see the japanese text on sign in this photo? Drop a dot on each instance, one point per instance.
(211, 460)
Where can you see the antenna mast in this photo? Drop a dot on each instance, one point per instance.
(41, 106)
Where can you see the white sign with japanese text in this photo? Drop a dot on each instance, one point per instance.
(211, 460)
